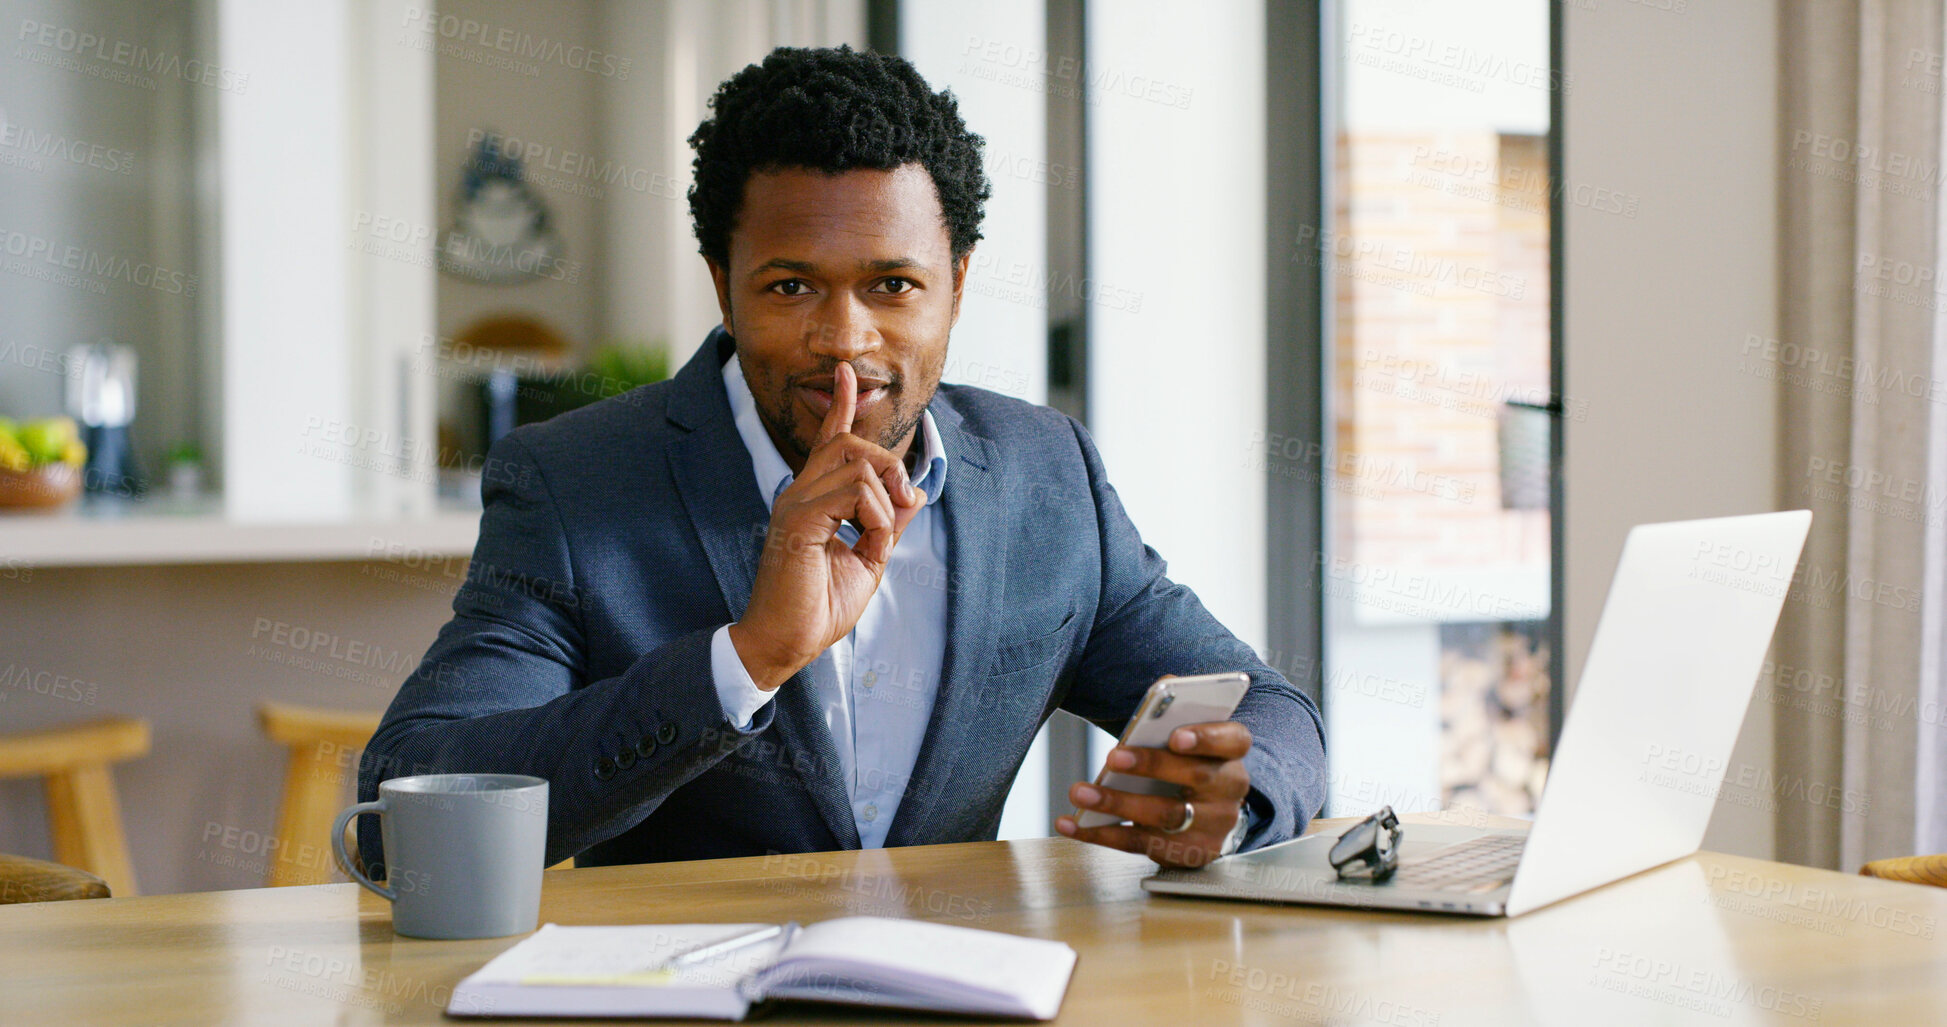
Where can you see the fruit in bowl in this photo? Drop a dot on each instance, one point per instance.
(40, 463)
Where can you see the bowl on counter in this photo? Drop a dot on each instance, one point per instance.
(47, 487)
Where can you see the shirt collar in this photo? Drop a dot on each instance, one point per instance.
(774, 475)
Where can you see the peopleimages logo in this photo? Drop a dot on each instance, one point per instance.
(1478, 176)
(1463, 65)
(133, 62)
(1699, 988)
(45, 682)
(517, 44)
(575, 166)
(29, 145)
(1693, 773)
(35, 250)
(1012, 64)
(1352, 253)
(1804, 365)
(1820, 901)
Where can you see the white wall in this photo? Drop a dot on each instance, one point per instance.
(652, 277)
(325, 161)
(395, 303)
(1176, 344)
(287, 197)
(980, 53)
(654, 283)
(1681, 111)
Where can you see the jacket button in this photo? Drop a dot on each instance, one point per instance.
(625, 759)
(666, 734)
(604, 768)
(645, 746)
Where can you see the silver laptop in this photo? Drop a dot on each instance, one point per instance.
(1642, 755)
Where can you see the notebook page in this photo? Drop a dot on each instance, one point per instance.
(969, 969)
(624, 955)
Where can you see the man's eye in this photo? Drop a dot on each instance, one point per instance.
(791, 287)
(896, 286)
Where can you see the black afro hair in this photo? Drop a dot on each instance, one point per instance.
(832, 111)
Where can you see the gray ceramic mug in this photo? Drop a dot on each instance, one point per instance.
(463, 853)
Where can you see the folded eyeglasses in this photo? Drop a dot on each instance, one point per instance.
(1369, 850)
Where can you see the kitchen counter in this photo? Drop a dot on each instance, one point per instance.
(174, 531)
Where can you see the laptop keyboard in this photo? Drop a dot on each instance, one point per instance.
(1474, 867)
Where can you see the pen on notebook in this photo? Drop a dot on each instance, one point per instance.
(665, 970)
(704, 953)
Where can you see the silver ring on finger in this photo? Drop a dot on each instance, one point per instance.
(1189, 817)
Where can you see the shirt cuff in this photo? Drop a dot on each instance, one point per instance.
(1247, 819)
(739, 695)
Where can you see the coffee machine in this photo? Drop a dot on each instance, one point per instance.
(101, 399)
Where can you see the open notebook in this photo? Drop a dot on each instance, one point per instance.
(860, 960)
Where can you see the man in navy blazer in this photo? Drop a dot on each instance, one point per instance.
(683, 598)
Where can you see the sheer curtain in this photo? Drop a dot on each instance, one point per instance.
(1857, 684)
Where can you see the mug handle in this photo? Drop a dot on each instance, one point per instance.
(344, 861)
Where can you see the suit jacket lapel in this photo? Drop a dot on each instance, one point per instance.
(976, 571)
(714, 480)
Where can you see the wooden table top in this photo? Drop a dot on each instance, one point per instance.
(1710, 939)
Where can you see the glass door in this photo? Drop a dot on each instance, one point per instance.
(1434, 254)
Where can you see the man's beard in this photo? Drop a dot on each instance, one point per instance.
(900, 421)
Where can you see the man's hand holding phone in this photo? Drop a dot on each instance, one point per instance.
(1203, 761)
(811, 587)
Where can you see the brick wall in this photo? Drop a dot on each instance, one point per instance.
(1440, 279)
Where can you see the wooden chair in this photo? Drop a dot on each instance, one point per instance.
(36, 880)
(324, 748)
(1912, 869)
(82, 814)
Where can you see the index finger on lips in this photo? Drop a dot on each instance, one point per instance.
(845, 404)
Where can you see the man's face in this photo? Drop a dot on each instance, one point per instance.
(854, 267)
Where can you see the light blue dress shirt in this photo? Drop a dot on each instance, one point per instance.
(876, 685)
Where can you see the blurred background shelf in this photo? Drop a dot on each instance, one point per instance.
(176, 532)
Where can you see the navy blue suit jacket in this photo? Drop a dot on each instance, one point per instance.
(617, 538)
